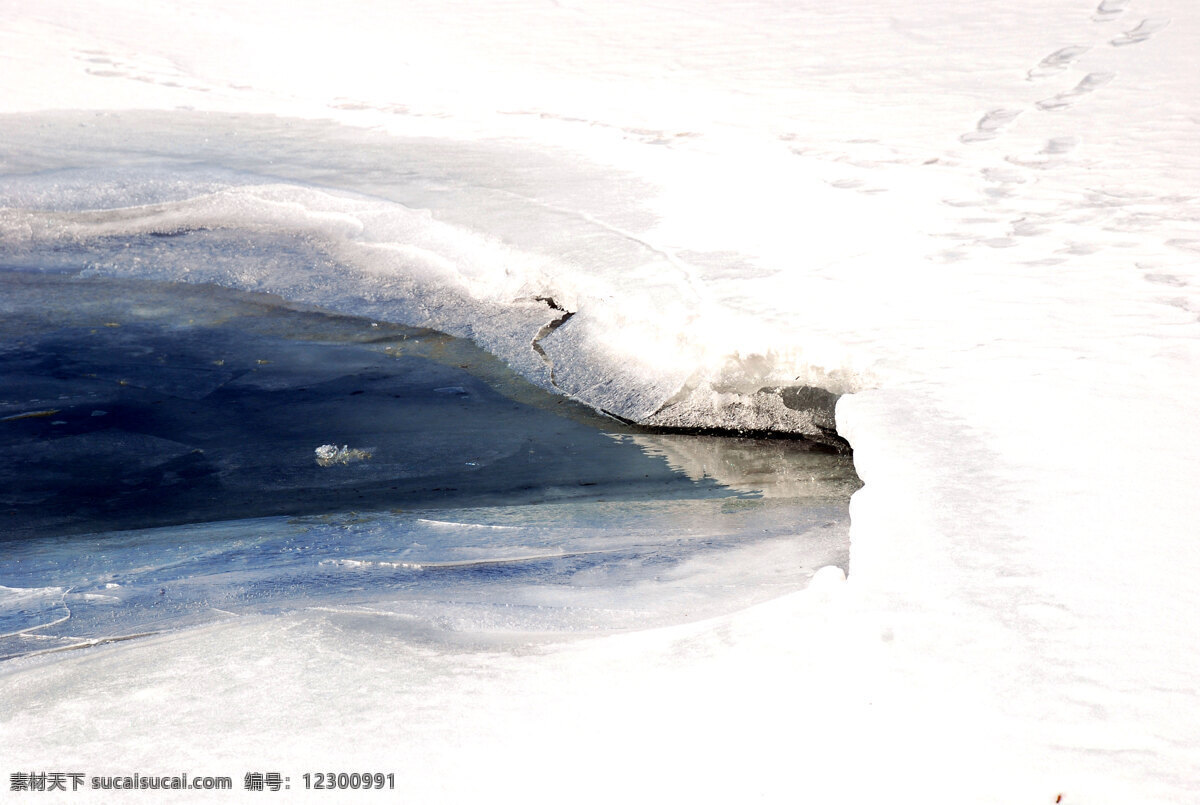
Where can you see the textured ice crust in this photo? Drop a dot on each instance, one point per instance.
(595, 312)
(583, 331)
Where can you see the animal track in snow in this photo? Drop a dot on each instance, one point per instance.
(1053, 153)
(1057, 61)
(995, 121)
(1109, 10)
(1060, 145)
(1165, 279)
(1146, 29)
(1090, 83)
(149, 71)
(990, 125)
(1187, 244)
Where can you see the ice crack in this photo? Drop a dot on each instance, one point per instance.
(548, 328)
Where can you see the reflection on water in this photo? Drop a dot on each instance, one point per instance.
(772, 468)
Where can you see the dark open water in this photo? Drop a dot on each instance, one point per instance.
(159, 468)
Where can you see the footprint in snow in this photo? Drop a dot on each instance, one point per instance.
(1146, 29)
(1109, 10)
(1056, 62)
(990, 125)
(1053, 153)
(1090, 83)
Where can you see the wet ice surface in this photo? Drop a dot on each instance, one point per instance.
(465, 502)
(484, 577)
(124, 409)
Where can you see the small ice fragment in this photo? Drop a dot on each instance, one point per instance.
(330, 454)
(99, 412)
(30, 415)
(456, 390)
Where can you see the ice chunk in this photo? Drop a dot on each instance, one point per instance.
(329, 455)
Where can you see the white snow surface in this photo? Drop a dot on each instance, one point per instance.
(979, 219)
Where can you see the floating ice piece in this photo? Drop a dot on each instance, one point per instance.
(30, 415)
(330, 454)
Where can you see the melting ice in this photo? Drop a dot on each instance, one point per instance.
(483, 506)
